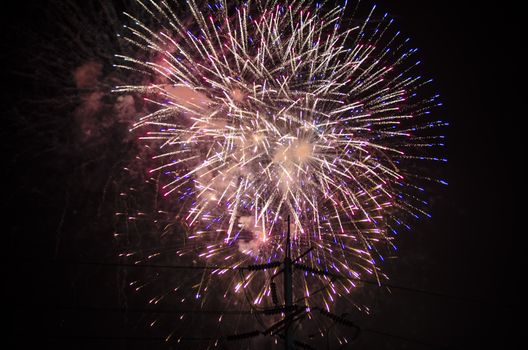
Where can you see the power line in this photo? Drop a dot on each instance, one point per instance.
(210, 339)
(150, 266)
(406, 339)
(127, 338)
(156, 311)
(206, 267)
(283, 325)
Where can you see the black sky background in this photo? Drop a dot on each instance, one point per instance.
(52, 200)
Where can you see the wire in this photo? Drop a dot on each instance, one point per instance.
(137, 338)
(203, 267)
(152, 266)
(406, 339)
(156, 311)
(208, 339)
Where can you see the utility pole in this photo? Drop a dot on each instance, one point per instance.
(288, 292)
(291, 311)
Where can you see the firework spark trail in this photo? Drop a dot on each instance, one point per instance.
(263, 110)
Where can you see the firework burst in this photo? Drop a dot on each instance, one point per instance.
(262, 110)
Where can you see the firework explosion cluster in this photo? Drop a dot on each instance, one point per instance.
(262, 110)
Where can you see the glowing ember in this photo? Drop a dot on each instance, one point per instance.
(267, 110)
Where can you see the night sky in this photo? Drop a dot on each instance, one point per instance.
(454, 282)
